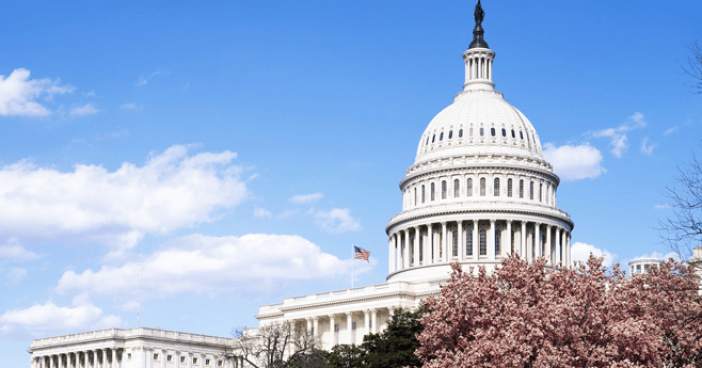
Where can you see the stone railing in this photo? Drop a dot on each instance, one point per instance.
(124, 334)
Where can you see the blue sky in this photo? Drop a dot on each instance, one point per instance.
(194, 160)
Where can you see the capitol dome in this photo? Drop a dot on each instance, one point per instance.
(479, 189)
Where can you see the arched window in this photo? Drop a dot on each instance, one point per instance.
(433, 137)
(450, 134)
(492, 131)
(496, 188)
(509, 187)
(455, 243)
(469, 187)
(483, 242)
(441, 136)
(482, 132)
(497, 240)
(427, 141)
(432, 191)
(541, 189)
(424, 197)
(443, 189)
(533, 138)
(521, 135)
(482, 187)
(531, 190)
(469, 240)
(504, 132)
(456, 188)
(513, 134)
(521, 189)
(460, 133)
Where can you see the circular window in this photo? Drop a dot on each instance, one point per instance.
(482, 132)
(433, 137)
(460, 133)
(450, 134)
(504, 132)
(492, 131)
(513, 134)
(441, 136)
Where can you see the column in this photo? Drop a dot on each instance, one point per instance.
(331, 329)
(405, 250)
(293, 333)
(507, 249)
(95, 362)
(391, 254)
(85, 359)
(523, 247)
(349, 325)
(176, 355)
(308, 326)
(558, 246)
(537, 240)
(568, 249)
(429, 256)
(374, 320)
(315, 326)
(461, 241)
(491, 241)
(444, 243)
(163, 358)
(112, 358)
(415, 263)
(476, 240)
(189, 357)
(548, 246)
(366, 314)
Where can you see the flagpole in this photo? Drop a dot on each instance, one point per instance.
(353, 255)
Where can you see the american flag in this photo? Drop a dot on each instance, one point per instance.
(360, 253)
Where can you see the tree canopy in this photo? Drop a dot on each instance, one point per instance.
(527, 315)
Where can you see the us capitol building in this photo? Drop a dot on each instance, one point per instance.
(478, 191)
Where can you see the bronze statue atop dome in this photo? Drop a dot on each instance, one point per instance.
(478, 41)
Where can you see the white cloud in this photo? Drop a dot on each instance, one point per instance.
(171, 190)
(581, 252)
(618, 138)
(143, 80)
(658, 255)
(574, 162)
(14, 251)
(671, 130)
(262, 213)
(198, 264)
(306, 198)
(646, 148)
(18, 94)
(338, 220)
(131, 106)
(663, 206)
(16, 275)
(87, 109)
(41, 320)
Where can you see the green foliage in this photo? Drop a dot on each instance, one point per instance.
(393, 348)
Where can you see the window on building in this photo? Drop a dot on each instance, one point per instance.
(155, 356)
(497, 240)
(450, 134)
(415, 196)
(455, 243)
(521, 135)
(646, 267)
(220, 363)
(460, 133)
(482, 132)
(207, 362)
(483, 242)
(521, 189)
(194, 360)
(443, 189)
(432, 192)
(370, 323)
(182, 359)
(638, 268)
(169, 358)
(531, 190)
(129, 356)
(504, 132)
(421, 248)
(509, 187)
(482, 187)
(469, 241)
(353, 325)
(496, 188)
(433, 138)
(441, 136)
(423, 194)
(456, 188)
(469, 187)
(427, 142)
(492, 131)
(513, 136)
(336, 327)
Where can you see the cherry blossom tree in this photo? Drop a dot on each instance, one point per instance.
(528, 315)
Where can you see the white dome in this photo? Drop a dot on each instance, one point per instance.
(456, 131)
